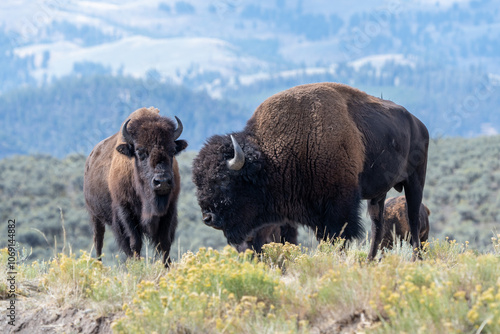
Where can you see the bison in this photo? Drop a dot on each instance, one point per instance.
(132, 183)
(308, 155)
(396, 221)
(267, 234)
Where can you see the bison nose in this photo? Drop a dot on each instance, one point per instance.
(209, 220)
(160, 183)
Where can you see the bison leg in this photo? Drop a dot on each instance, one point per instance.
(289, 234)
(99, 229)
(338, 217)
(166, 234)
(376, 211)
(165, 244)
(264, 235)
(135, 240)
(272, 233)
(121, 238)
(127, 232)
(136, 246)
(413, 194)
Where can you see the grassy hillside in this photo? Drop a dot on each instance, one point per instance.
(44, 195)
(288, 290)
(463, 189)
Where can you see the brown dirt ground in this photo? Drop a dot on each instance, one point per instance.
(351, 324)
(42, 319)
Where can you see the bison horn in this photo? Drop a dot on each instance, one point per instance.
(126, 135)
(178, 131)
(238, 161)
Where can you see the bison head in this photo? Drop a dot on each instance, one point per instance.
(152, 142)
(231, 186)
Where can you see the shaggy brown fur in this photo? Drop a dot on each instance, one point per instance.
(396, 221)
(300, 122)
(310, 154)
(133, 185)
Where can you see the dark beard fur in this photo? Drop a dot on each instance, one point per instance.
(161, 204)
(155, 205)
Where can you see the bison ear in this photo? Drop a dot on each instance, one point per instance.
(180, 145)
(125, 149)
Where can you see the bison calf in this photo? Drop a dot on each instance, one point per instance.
(396, 221)
(132, 183)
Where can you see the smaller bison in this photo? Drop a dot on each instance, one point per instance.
(132, 183)
(396, 221)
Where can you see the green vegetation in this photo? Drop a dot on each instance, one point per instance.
(44, 195)
(288, 289)
(463, 189)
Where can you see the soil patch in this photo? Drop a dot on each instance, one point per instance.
(53, 320)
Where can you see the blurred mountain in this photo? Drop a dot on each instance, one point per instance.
(438, 58)
(262, 34)
(185, 39)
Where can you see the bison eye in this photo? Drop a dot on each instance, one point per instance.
(141, 154)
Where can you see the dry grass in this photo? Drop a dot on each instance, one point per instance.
(287, 290)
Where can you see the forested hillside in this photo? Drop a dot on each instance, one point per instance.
(449, 102)
(74, 113)
(44, 194)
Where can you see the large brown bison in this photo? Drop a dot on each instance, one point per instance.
(132, 182)
(309, 155)
(396, 222)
